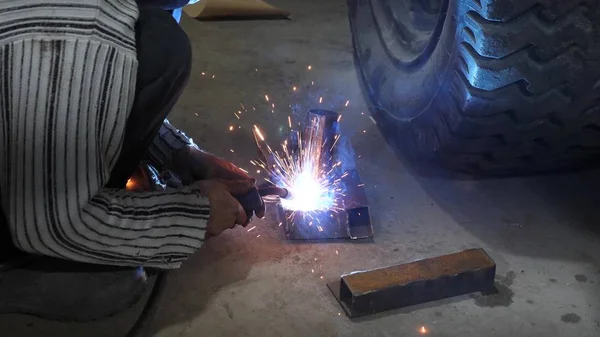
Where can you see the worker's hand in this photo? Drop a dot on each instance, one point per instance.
(191, 164)
(225, 211)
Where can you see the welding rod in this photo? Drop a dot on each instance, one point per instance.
(252, 200)
(274, 190)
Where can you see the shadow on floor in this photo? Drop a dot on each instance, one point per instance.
(220, 262)
(553, 216)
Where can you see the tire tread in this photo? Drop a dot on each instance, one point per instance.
(536, 125)
(524, 93)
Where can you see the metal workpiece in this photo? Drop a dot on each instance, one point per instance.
(377, 290)
(350, 220)
(350, 217)
(322, 130)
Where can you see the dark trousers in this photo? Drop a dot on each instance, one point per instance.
(164, 57)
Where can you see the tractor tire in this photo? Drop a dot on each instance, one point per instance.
(493, 87)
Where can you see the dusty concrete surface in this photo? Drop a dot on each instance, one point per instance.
(543, 232)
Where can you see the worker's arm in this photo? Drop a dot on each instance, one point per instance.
(60, 134)
(172, 149)
(165, 145)
(159, 229)
(58, 205)
(70, 215)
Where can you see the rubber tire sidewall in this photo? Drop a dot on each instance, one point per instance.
(391, 88)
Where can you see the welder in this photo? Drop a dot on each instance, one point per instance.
(85, 88)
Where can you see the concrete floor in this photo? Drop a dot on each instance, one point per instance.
(543, 232)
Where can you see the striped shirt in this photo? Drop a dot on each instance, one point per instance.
(67, 83)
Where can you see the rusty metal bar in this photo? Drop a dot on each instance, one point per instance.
(367, 292)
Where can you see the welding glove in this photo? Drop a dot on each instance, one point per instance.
(225, 210)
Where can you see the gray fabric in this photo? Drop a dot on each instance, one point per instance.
(68, 291)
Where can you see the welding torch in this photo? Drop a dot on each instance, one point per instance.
(253, 200)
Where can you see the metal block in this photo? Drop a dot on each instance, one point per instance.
(353, 221)
(367, 292)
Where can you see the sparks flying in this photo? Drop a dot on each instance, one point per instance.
(297, 169)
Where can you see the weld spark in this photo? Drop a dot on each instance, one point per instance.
(314, 189)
